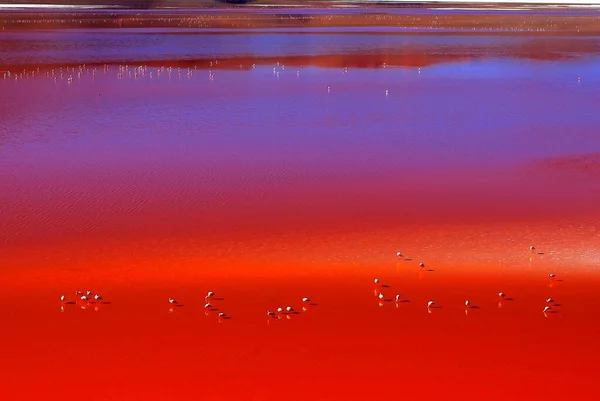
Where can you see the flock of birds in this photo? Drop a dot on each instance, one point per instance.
(418, 22)
(72, 74)
(430, 304)
(85, 299)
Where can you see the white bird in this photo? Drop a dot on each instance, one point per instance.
(289, 309)
(62, 298)
(467, 303)
(551, 275)
(501, 294)
(210, 294)
(376, 281)
(88, 293)
(207, 306)
(78, 293)
(279, 310)
(549, 300)
(172, 301)
(397, 297)
(421, 264)
(399, 254)
(429, 304)
(97, 297)
(546, 309)
(305, 299)
(532, 248)
(380, 296)
(84, 298)
(270, 313)
(222, 314)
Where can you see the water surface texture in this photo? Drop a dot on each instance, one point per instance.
(269, 165)
(479, 129)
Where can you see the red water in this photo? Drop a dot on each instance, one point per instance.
(268, 188)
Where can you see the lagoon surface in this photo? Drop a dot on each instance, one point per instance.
(471, 126)
(271, 164)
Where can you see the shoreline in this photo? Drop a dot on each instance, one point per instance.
(536, 22)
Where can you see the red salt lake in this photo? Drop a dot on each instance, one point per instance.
(153, 174)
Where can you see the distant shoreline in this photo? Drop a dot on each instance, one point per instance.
(163, 5)
(493, 20)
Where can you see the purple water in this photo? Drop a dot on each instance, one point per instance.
(490, 124)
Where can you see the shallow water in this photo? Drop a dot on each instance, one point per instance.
(271, 182)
